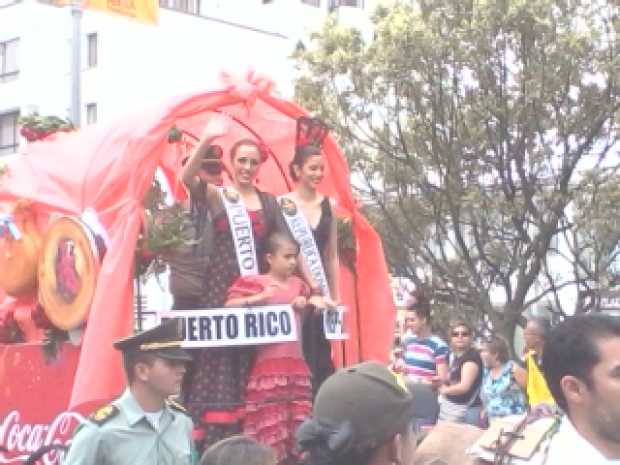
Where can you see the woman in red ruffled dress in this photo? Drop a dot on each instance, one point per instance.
(278, 395)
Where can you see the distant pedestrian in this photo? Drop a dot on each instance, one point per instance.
(534, 382)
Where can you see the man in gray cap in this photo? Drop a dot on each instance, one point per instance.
(362, 415)
(143, 426)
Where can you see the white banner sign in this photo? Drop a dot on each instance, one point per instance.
(333, 324)
(222, 327)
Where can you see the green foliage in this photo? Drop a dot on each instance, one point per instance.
(470, 127)
(36, 127)
(167, 228)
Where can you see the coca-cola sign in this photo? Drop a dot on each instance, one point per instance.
(19, 439)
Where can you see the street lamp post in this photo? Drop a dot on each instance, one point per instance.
(76, 61)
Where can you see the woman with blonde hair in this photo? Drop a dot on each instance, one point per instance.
(500, 392)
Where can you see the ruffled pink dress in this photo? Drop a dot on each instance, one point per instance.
(278, 395)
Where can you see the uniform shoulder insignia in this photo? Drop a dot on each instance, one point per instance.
(103, 414)
(174, 405)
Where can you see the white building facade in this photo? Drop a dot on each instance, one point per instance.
(126, 64)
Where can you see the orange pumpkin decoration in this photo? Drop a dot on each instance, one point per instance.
(68, 271)
(19, 257)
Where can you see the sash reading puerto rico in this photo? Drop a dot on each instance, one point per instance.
(241, 229)
(333, 319)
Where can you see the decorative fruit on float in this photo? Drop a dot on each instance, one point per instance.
(68, 270)
(20, 245)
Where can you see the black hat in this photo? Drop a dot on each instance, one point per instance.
(162, 341)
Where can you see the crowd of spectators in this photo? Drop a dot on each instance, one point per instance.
(471, 380)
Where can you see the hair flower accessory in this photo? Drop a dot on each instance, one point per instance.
(310, 131)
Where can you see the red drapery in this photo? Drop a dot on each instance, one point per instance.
(109, 168)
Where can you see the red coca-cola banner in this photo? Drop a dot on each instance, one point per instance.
(34, 397)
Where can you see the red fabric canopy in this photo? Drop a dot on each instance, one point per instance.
(110, 168)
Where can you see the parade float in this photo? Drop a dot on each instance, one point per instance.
(71, 215)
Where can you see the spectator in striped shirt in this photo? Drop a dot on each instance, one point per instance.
(425, 355)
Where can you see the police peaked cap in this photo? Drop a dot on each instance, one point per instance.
(162, 341)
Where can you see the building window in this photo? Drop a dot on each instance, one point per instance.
(91, 40)
(353, 3)
(186, 6)
(91, 113)
(8, 60)
(8, 132)
(312, 2)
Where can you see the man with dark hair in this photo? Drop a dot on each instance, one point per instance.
(143, 426)
(581, 363)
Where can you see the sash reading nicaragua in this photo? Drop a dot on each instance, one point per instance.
(222, 327)
(241, 229)
(300, 229)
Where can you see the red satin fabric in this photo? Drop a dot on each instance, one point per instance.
(110, 168)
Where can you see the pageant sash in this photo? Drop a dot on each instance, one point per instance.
(300, 228)
(241, 229)
(333, 319)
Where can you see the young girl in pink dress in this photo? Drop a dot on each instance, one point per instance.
(278, 395)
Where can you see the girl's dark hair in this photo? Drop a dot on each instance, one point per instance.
(498, 346)
(276, 239)
(421, 305)
(238, 450)
(248, 143)
(322, 451)
(302, 153)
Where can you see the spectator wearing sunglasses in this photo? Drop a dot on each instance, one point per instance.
(460, 400)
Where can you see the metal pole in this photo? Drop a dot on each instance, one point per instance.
(76, 61)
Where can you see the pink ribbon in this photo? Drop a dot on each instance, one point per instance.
(248, 87)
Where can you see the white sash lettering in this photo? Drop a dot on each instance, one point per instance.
(333, 319)
(301, 231)
(241, 229)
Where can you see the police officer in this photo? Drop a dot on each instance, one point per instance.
(143, 426)
(362, 414)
